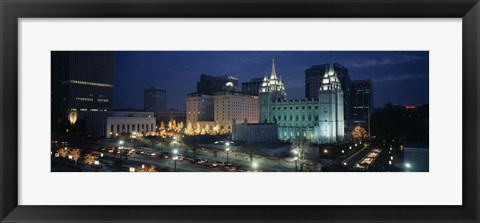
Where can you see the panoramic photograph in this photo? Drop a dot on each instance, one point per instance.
(239, 111)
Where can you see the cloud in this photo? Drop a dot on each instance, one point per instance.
(398, 59)
(399, 77)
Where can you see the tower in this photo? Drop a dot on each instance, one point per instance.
(331, 128)
(272, 89)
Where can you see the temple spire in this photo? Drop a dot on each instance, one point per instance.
(274, 73)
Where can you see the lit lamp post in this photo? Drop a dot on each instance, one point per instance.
(254, 165)
(296, 158)
(134, 136)
(227, 150)
(120, 147)
(132, 169)
(97, 165)
(175, 158)
(408, 166)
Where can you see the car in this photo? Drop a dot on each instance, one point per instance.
(202, 161)
(180, 157)
(165, 155)
(195, 161)
(217, 164)
(231, 167)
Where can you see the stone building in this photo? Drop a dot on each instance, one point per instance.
(317, 120)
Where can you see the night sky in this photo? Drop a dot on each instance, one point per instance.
(399, 77)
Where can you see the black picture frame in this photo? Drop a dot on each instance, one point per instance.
(11, 11)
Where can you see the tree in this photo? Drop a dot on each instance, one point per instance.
(90, 159)
(192, 144)
(75, 155)
(150, 168)
(63, 152)
(300, 149)
(162, 125)
(248, 149)
(189, 130)
(359, 133)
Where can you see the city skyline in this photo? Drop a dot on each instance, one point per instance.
(398, 77)
(282, 126)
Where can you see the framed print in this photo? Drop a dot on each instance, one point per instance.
(206, 111)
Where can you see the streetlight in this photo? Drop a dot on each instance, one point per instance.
(132, 169)
(97, 164)
(175, 158)
(227, 150)
(296, 158)
(101, 155)
(254, 165)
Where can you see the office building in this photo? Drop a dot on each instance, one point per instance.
(253, 86)
(81, 86)
(362, 102)
(155, 99)
(208, 84)
(215, 114)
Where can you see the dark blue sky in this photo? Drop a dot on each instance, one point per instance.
(399, 77)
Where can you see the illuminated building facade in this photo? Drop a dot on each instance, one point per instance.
(81, 86)
(122, 122)
(229, 106)
(331, 128)
(215, 114)
(318, 120)
(313, 80)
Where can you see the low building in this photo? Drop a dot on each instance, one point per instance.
(122, 122)
(254, 132)
(171, 114)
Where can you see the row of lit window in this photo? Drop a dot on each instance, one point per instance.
(89, 83)
(84, 99)
(84, 109)
(303, 107)
(296, 118)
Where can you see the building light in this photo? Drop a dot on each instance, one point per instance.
(88, 83)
